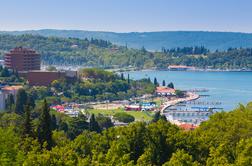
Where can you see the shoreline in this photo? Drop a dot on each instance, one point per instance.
(191, 96)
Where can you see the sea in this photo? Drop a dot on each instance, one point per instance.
(225, 90)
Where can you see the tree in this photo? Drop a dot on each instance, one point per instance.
(104, 122)
(54, 122)
(128, 80)
(9, 104)
(51, 68)
(170, 85)
(63, 126)
(93, 124)
(163, 84)
(44, 127)
(180, 93)
(5, 72)
(158, 116)
(31, 101)
(76, 126)
(122, 76)
(124, 117)
(155, 81)
(21, 101)
(181, 158)
(27, 128)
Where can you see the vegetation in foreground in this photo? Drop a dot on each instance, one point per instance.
(225, 139)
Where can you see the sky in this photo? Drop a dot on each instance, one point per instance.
(127, 15)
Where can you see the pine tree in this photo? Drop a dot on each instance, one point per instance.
(31, 102)
(156, 117)
(122, 76)
(128, 79)
(155, 81)
(9, 104)
(63, 126)
(54, 123)
(170, 85)
(21, 101)
(44, 127)
(27, 130)
(163, 84)
(93, 124)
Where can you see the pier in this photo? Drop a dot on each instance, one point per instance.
(202, 103)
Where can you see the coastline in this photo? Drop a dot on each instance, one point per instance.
(190, 97)
(120, 70)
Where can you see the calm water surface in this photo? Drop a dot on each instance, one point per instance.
(229, 88)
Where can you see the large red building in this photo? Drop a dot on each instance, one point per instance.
(22, 59)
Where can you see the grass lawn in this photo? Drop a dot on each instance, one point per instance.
(139, 116)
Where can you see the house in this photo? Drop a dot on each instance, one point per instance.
(187, 127)
(165, 91)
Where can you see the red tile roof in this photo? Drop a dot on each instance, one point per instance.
(11, 88)
(187, 126)
(162, 89)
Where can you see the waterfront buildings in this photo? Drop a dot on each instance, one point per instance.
(165, 91)
(22, 59)
(180, 68)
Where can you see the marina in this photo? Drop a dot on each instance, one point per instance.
(212, 84)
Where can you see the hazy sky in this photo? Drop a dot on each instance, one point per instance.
(127, 15)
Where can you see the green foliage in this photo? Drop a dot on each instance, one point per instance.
(158, 116)
(170, 85)
(9, 103)
(180, 157)
(155, 81)
(225, 139)
(102, 54)
(179, 93)
(8, 146)
(104, 122)
(76, 126)
(44, 127)
(21, 101)
(124, 117)
(51, 68)
(27, 129)
(93, 124)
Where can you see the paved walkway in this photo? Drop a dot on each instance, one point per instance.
(190, 96)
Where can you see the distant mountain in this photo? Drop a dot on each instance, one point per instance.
(155, 40)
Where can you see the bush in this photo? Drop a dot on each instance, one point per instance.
(124, 117)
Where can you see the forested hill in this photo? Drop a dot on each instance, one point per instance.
(104, 54)
(157, 40)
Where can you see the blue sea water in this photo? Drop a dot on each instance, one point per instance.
(229, 88)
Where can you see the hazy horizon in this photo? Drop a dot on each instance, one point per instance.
(40, 29)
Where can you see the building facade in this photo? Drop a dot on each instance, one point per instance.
(22, 59)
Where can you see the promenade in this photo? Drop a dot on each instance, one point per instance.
(190, 96)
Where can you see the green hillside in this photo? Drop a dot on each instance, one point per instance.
(104, 54)
(157, 40)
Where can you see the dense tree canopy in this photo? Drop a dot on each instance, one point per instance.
(225, 139)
